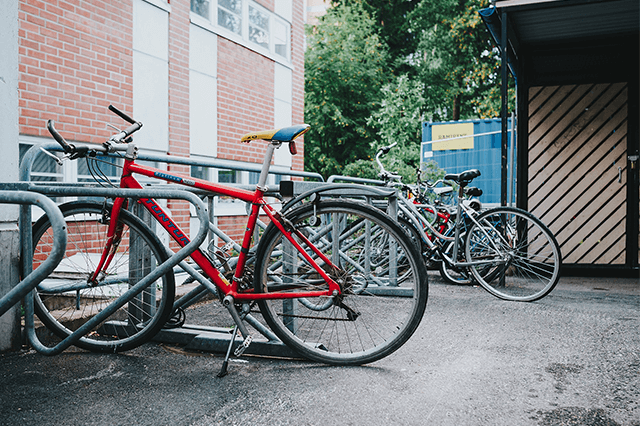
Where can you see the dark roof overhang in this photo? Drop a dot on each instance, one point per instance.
(568, 41)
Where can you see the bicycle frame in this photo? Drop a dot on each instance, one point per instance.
(258, 203)
(419, 221)
(471, 213)
(414, 215)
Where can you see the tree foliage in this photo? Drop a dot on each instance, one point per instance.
(375, 69)
(345, 69)
(395, 26)
(399, 120)
(457, 61)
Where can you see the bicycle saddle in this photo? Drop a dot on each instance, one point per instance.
(464, 177)
(285, 134)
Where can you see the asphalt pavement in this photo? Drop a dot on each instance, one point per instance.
(572, 358)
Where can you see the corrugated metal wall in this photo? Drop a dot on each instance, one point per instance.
(485, 156)
(577, 168)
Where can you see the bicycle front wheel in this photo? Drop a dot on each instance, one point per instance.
(382, 277)
(66, 299)
(517, 256)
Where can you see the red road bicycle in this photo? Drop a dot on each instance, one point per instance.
(336, 280)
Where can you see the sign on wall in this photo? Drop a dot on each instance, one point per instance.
(449, 131)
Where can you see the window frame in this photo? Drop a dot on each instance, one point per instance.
(243, 38)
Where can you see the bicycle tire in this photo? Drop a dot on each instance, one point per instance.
(65, 308)
(368, 321)
(531, 252)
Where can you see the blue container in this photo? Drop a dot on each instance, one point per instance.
(480, 151)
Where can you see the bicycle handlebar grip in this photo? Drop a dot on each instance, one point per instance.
(128, 131)
(385, 149)
(133, 128)
(58, 137)
(121, 114)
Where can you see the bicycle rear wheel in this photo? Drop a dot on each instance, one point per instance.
(381, 273)
(522, 256)
(66, 300)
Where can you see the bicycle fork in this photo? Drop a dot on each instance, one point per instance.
(114, 236)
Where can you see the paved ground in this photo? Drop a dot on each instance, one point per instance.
(572, 358)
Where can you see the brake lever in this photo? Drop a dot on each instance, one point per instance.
(55, 157)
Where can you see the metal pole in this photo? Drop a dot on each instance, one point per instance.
(504, 111)
(512, 163)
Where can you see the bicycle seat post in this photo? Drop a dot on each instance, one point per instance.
(264, 173)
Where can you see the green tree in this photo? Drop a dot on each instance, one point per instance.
(399, 120)
(393, 23)
(457, 62)
(346, 66)
(375, 69)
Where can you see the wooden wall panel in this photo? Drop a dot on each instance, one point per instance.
(577, 168)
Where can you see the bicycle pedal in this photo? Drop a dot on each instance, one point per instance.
(243, 347)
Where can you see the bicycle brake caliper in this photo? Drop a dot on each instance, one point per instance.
(104, 219)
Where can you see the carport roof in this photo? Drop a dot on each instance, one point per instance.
(557, 41)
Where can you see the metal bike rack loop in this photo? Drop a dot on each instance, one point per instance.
(27, 249)
(57, 251)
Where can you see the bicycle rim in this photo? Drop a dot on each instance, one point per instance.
(523, 254)
(65, 300)
(383, 280)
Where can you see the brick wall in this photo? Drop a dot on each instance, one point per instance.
(75, 59)
(266, 3)
(179, 100)
(245, 100)
(297, 59)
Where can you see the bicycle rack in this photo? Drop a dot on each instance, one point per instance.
(57, 252)
(212, 339)
(299, 191)
(26, 243)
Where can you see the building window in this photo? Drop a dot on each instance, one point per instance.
(281, 38)
(99, 169)
(44, 168)
(258, 27)
(227, 176)
(230, 15)
(200, 172)
(201, 7)
(248, 23)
